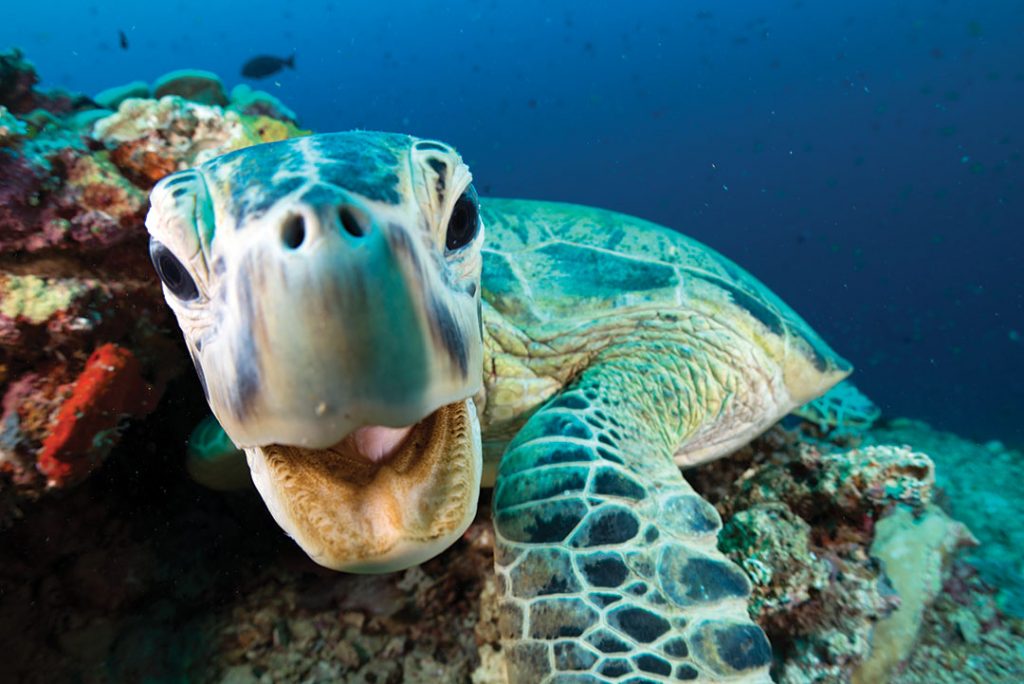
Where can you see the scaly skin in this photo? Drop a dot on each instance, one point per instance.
(607, 557)
(600, 351)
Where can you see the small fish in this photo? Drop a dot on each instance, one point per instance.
(123, 39)
(266, 65)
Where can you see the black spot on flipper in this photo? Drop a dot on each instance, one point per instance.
(653, 664)
(687, 672)
(690, 579)
(540, 523)
(611, 482)
(606, 642)
(537, 486)
(604, 600)
(728, 648)
(607, 525)
(609, 455)
(676, 647)
(604, 569)
(528, 456)
(615, 668)
(640, 624)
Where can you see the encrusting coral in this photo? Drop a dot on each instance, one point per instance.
(84, 335)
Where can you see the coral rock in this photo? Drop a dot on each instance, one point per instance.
(152, 138)
(76, 275)
(111, 98)
(203, 87)
(245, 100)
(915, 552)
(110, 387)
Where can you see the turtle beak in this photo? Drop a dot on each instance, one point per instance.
(377, 512)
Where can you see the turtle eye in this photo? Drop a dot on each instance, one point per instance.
(172, 272)
(465, 220)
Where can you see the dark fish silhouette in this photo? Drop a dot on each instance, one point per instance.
(123, 39)
(266, 65)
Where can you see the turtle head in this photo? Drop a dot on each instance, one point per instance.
(328, 289)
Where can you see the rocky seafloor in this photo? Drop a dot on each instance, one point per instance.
(879, 551)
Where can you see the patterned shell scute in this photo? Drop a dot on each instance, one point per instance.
(546, 263)
(540, 267)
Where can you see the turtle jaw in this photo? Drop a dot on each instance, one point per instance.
(355, 514)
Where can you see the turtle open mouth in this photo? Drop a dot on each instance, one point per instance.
(380, 499)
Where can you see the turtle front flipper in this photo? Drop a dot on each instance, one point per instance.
(607, 560)
(213, 460)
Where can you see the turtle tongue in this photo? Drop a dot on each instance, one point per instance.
(382, 498)
(376, 442)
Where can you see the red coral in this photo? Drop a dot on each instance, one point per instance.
(110, 387)
(142, 164)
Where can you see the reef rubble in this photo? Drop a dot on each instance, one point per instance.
(878, 550)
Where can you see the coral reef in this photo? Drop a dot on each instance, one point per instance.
(915, 552)
(85, 338)
(983, 487)
(142, 574)
(844, 546)
(843, 411)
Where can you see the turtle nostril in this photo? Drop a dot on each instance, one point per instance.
(350, 222)
(293, 231)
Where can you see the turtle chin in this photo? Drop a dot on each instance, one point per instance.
(381, 511)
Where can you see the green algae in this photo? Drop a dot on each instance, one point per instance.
(36, 299)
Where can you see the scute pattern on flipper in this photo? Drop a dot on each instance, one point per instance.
(659, 607)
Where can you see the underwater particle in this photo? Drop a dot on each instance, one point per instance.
(263, 66)
(1014, 336)
(110, 387)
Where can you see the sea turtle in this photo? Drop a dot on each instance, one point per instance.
(382, 343)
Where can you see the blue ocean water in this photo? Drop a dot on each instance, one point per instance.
(863, 159)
